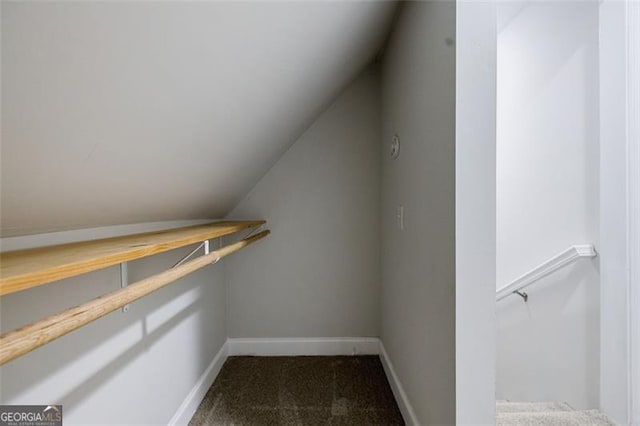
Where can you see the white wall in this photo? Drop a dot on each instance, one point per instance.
(475, 212)
(633, 154)
(317, 275)
(619, 147)
(418, 263)
(548, 198)
(125, 368)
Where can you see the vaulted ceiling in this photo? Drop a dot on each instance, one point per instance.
(125, 112)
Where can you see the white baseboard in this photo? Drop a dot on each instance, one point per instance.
(190, 404)
(406, 409)
(294, 347)
(304, 346)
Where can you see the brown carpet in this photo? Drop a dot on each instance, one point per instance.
(305, 390)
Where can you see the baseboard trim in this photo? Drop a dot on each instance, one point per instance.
(190, 404)
(304, 346)
(398, 391)
(294, 347)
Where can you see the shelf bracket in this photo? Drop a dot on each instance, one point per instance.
(124, 281)
(124, 271)
(204, 244)
(207, 251)
(249, 234)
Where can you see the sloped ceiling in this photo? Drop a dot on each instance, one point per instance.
(128, 112)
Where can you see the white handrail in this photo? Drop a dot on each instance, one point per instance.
(568, 256)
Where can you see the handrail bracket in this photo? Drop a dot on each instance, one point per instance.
(522, 294)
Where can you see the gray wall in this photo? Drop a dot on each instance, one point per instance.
(317, 275)
(547, 199)
(125, 368)
(175, 109)
(418, 287)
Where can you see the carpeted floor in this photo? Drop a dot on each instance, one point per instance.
(309, 390)
(545, 414)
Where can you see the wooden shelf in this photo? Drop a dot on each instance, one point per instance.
(31, 336)
(23, 269)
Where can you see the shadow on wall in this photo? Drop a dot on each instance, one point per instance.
(75, 396)
(116, 359)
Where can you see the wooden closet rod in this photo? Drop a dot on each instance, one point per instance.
(31, 336)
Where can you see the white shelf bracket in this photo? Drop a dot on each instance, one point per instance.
(124, 281)
(204, 244)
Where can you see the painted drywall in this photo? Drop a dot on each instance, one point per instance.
(317, 275)
(633, 141)
(128, 112)
(418, 263)
(548, 199)
(475, 212)
(126, 368)
(618, 360)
